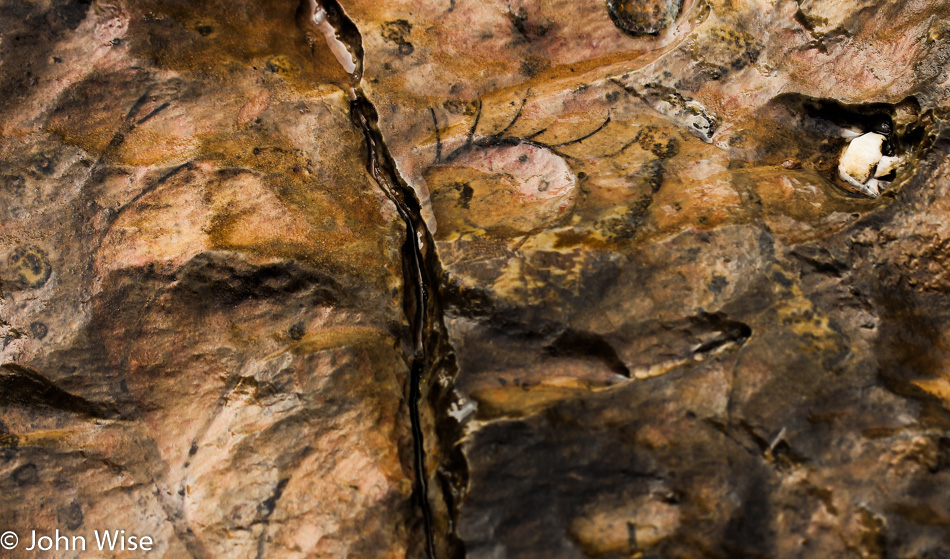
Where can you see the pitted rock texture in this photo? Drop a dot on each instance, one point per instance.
(671, 330)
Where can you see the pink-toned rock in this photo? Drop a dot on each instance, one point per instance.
(644, 316)
(716, 346)
(202, 313)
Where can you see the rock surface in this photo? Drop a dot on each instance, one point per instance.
(662, 325)
(708, 350)
(204, 340)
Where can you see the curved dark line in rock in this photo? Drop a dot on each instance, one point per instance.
(582, 138)
(431, 356)
(517, 115)
(478, 116)
(383, 170)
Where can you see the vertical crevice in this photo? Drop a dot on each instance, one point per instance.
(416, 294)
(430, 357)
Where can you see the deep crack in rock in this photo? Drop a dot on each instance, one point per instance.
(430, 358)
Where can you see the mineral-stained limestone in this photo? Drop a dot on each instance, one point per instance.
(203, 335)
(715, 350)
(672, 331)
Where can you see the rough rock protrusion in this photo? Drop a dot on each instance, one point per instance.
(643, 17)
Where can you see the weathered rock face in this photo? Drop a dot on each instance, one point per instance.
(693, 341)
(204, 340)
(664, 326)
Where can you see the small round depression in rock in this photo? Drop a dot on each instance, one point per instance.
(30, 267)
(643, 17)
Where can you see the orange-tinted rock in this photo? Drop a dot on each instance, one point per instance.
(671, 332)
(700, 357)
(202, 289)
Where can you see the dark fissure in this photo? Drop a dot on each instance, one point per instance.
(429, 356)
(420, 302)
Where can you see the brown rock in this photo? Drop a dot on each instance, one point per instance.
(643, 17)
(606, 243)
(204, 335)
(703, 349)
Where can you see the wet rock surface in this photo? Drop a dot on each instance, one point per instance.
(655, 320)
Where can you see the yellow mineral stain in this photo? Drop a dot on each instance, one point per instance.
(85, 436)
(939, 387)
(515, 400)
(341, 336)
(215, 37)
(151, 147)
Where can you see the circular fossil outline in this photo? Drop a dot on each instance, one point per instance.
(500, 140)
